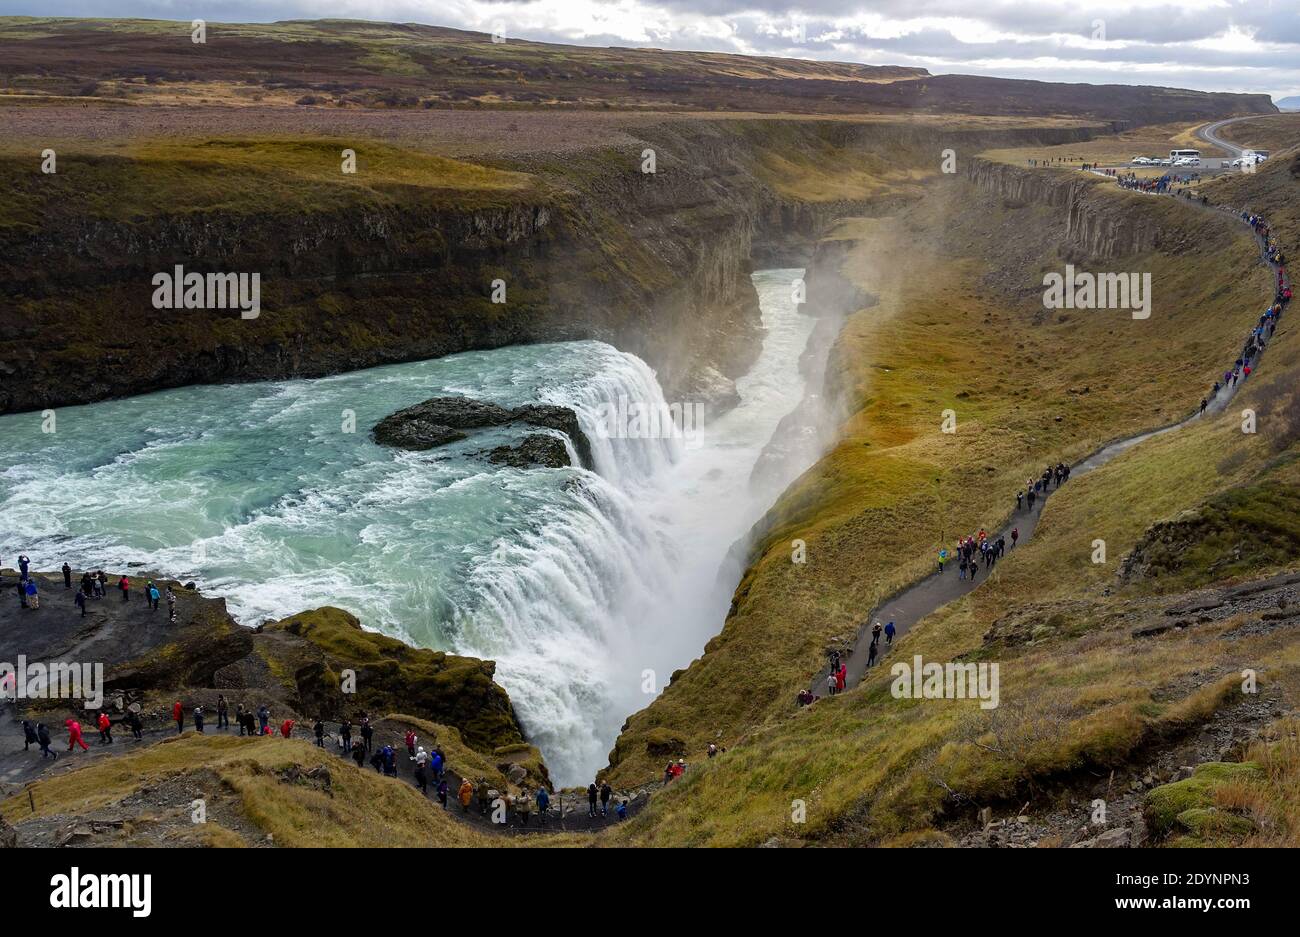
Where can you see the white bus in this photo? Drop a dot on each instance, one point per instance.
(1176, 155)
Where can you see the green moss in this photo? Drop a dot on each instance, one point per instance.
(1242, 531)
(391, 676)
(1211, 825)
(664, 743)
(1184, 806)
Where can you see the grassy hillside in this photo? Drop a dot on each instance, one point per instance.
(1274, 133)
(1028, 388)
(1082, 697)
(258, 792)
(358, 63)
(134, 182)
(341, 63)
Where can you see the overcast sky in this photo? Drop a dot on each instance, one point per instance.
(1211, 45)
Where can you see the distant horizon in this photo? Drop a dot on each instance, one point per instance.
(1232, 46)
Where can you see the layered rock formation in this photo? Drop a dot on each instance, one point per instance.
(655, 263)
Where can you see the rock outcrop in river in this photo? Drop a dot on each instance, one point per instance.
(442, 420)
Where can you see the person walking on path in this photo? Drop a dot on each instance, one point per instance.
(124, 585)
(80, 601)
(67, 576)
(319, 730)
(367, 731)
(29, 735)
(105, 729)
(74, 735)
(33, 596)
(421, 779)
(178, 716)
(871, 654)
(889, 633)
(605, 793)
(543, 804)
(43, 739)
(442, 793)
(198, 719)
(263, 718)
(523, 806)
(484, 797)
(345, 733)
(153, 596)
(592, 793)
(171, 605)
(359, 753)
(465, 794)
(223, 712)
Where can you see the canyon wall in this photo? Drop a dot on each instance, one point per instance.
(656, 264)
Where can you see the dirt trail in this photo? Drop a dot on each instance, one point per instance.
(924, 598)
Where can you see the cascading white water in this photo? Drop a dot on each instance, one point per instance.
(586, 588)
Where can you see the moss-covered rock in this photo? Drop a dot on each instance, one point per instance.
(315, 648)
(300, 663)
(664, 743)
(1185, 810)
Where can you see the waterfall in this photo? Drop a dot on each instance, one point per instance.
(561, 606)
(587, 587)
(623, 381)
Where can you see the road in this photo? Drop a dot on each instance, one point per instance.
(1210, 134)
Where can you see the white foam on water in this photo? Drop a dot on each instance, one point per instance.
(587, 588)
